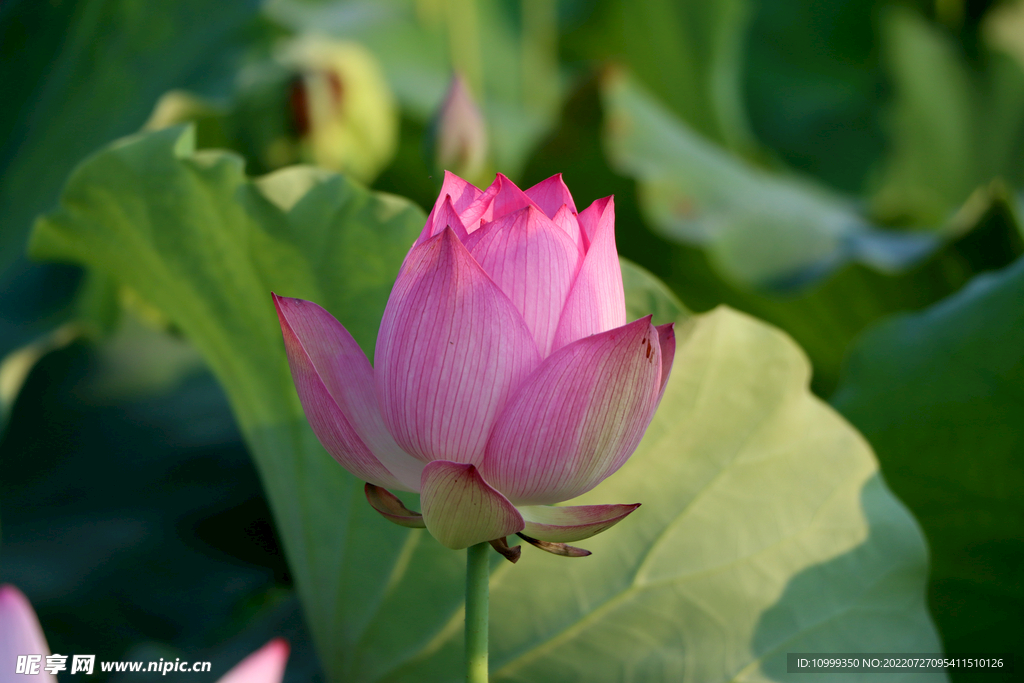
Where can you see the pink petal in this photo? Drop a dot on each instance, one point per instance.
(20, 634)
(533, 262)
(336, 388)
(551, 195)
(266, 665)
(391, 508)
(572, 523)
(599, 212)
(445, 214)
(667, 339)
(461, 510)
(597, 301)
(577, 418)
(451, 349)
(565, 219)
(500, 199)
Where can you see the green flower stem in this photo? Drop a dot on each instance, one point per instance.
(477, 578)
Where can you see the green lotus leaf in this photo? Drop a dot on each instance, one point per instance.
(938, 394)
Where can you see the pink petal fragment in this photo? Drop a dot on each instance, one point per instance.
(463, 194)
(597, 302)
(572, 523)
(461, 510)
(551, 195)
(391, 508)
(576, 419)
(533, 262)
(266, 665)
(599, 212)
(20, 634)
(565, 219)
(667, 339)
(335, 385)
(451, 349)
(500, 199)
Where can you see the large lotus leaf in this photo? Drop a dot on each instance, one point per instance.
(509, 62)
(760, 228)
(938, 394)
(78, 74)
(765, 528)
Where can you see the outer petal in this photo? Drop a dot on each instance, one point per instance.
(667, 339)
(573, 523)
(462, 194)
(451, 349)
(551, 195)
(599, 212)
(460, 509)
(533, 262)
(500, 199)
(335, 385)
(20, 634)
(597, 301)
(266, 665)
(577, 418)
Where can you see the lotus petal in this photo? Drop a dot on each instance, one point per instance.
(335, 385)
(533, 262)
(444, 215)
(20, 634)
(500, 199)
(462, 194)
(451, 349)
(461, 509)
(551, 195)
(565, 219)
(667, 340)
(577, 418)
(571, 523)
(266, 665)
(597, 301)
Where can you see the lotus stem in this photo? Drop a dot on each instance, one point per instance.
(477, 598)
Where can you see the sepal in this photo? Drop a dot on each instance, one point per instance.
(562, 549)
(391, 508)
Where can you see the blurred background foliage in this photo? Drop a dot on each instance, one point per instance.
(849, 172)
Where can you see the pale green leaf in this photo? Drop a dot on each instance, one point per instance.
(759, 227)
(932, 167)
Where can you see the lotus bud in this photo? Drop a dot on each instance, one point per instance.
(320, 101)
(506, 377)
(459, 133)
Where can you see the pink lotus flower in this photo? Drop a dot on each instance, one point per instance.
(506, 376)
(20, 634)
